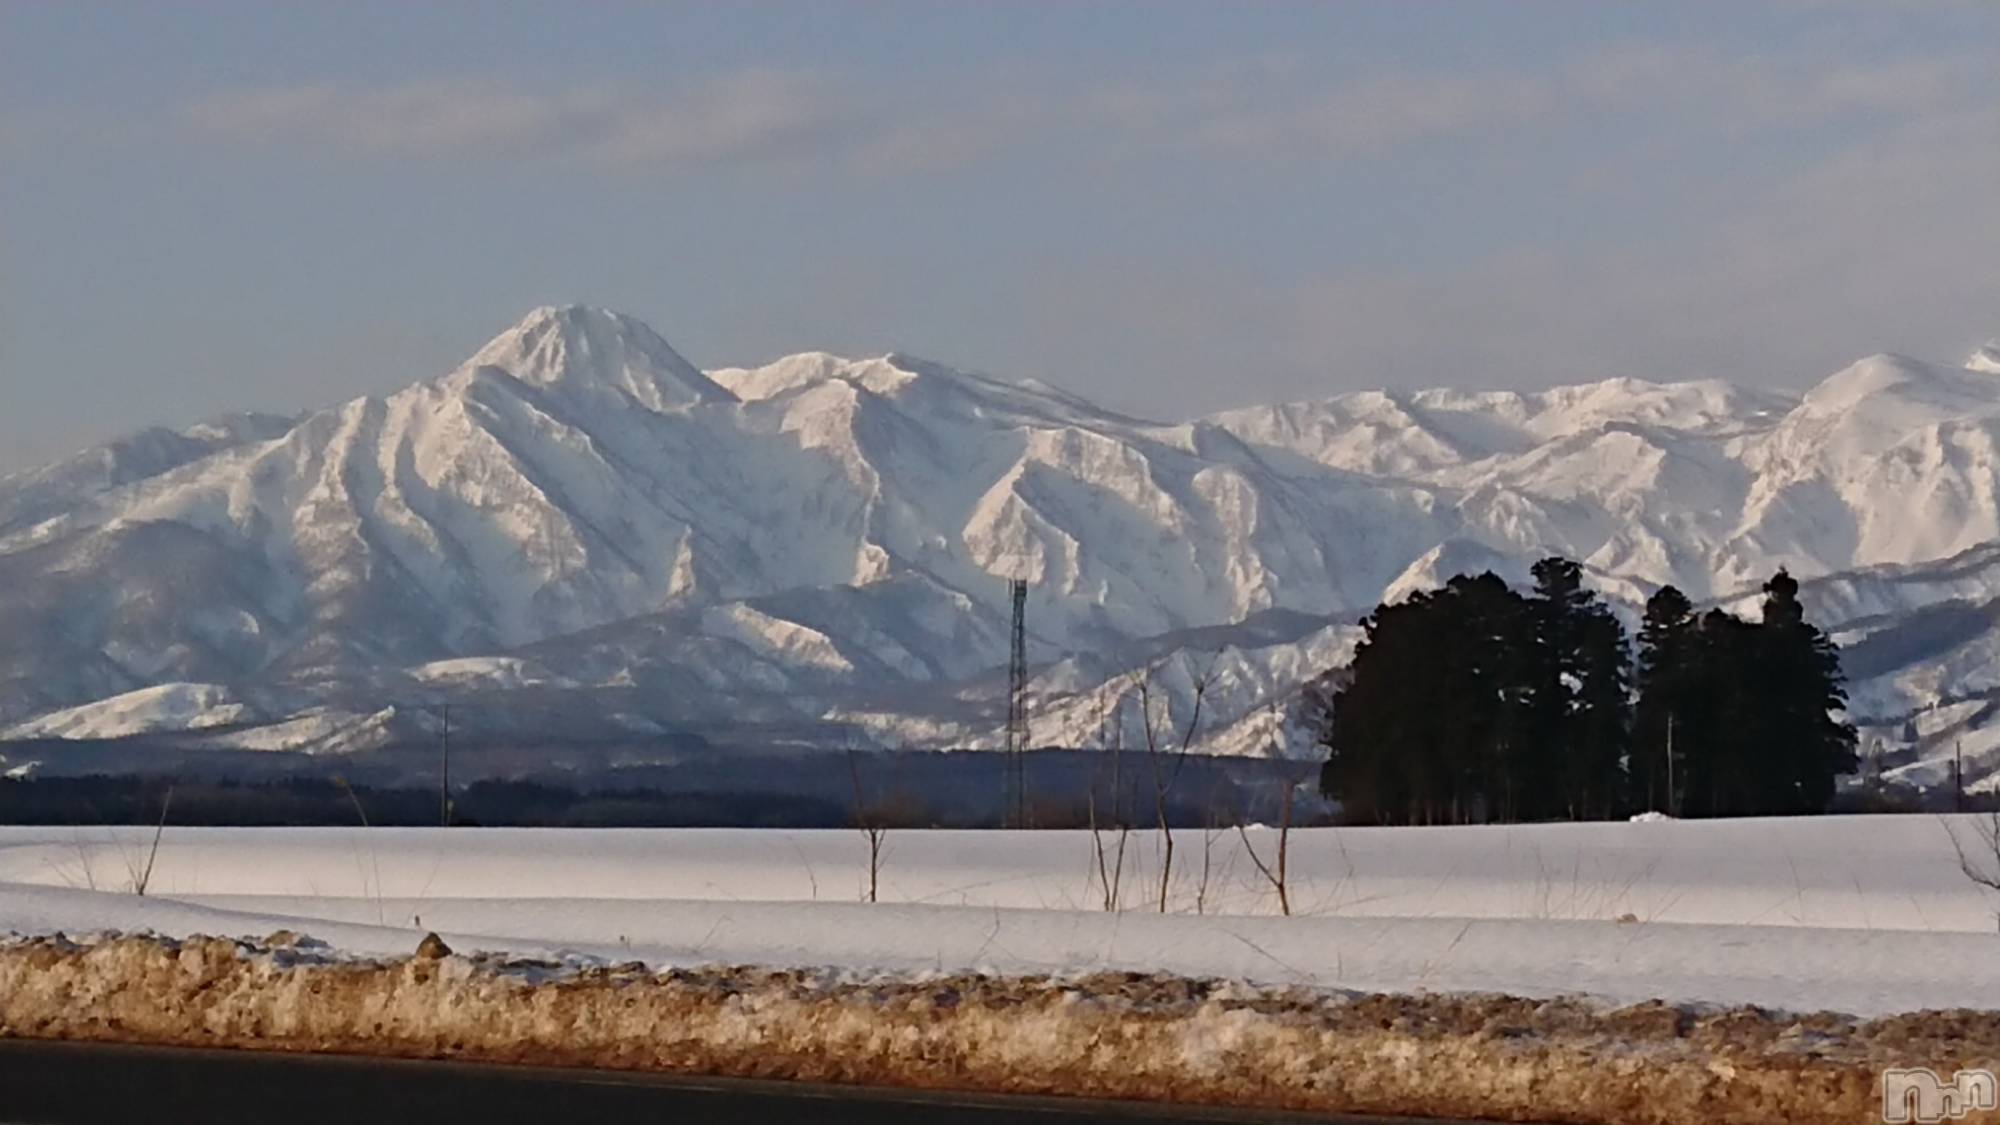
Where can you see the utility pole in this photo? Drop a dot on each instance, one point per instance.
(1015, 813)
(444, 769)
(1958, 776)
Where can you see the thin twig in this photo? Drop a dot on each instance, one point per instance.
(1163, 783)
(1988, 835)
(871, 828)
(1277, 878)
(160, 829)
(374, 858)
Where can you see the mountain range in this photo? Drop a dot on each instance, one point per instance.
(578, 534)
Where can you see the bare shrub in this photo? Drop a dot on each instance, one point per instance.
(1110, 856)
(372, 885)
(871, 819)
(1979, 858)
(83, 860)
(1164, 760)
(142, 877)
(1276, 872)
(1221, 814)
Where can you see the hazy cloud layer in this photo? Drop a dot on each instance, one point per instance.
(1274, 108)
(1172, 214)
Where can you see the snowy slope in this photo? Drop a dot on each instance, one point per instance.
(578, 520)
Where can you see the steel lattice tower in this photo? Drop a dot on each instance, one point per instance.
(1016, 797)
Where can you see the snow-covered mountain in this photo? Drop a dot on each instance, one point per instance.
(577, 526)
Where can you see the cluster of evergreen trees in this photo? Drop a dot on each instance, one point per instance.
(1476, 703)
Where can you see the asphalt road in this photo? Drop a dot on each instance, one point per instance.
(85, 1084)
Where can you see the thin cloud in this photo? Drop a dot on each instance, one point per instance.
(1376, 113)
(736, 116)
(1767, 91)
(1279, 114)
(1271, 109)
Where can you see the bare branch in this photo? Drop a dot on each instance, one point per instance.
(1110, 867)
(374, 859)
(1982, 864)
(866, 819)
(1209, 831)
(349, 790)
(1276, 875)
(1164, 779)
(145, 878)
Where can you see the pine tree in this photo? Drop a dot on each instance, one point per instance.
(1369, 724)
(1749, 708)
(1798, 677)
(1472, 703)
(1722, 776)
(1429, 728)
(1601, 725)
(1581, 680)
(1668, 717)
(1488, 632)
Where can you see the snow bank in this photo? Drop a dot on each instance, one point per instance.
(1108, 1035)
(1790, 968)
(1602, 972)
(1865, 915)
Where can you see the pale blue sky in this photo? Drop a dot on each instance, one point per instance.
(1171, 208)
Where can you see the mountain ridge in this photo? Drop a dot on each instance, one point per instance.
(825, 539)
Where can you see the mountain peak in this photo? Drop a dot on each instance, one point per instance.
(883, 374)
(1886, 378)
(586, 348)
(1985, 359)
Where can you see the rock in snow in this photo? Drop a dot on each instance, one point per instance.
(577, 520)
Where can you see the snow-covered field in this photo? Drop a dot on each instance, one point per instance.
(1865, 915)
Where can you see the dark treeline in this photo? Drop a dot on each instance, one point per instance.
(1478, 703)
(898, 789)
(126, 799)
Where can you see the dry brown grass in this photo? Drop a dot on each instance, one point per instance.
(1111, 1035)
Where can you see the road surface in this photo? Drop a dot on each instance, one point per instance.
(90, 1084)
